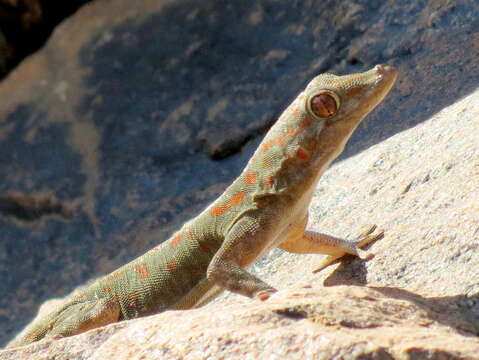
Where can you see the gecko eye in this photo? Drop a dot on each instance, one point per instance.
(324, 104)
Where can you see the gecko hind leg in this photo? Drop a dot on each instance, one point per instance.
(84, 316)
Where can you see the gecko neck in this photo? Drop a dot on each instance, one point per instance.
(293, 156)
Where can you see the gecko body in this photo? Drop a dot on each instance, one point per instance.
(265, 207)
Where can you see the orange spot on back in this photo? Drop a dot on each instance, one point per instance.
(191, 235)
(107, 289)
(172, 265)
(176, 240)
(142, 271)
(266, 146)
(114, 275)
(250, 178)
(279, 140)
(235, 200)
(302, 154)
(218, 210)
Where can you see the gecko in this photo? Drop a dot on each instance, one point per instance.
(265, 207)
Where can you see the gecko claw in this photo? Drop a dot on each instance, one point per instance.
(367, 230)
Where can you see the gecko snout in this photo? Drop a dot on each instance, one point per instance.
(387, 73)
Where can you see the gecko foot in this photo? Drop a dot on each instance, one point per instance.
(367, 236)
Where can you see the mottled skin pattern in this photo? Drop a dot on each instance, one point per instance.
(265, 207)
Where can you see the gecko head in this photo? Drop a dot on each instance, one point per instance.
(343, 101)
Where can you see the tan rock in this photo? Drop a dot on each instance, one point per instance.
(346, 322)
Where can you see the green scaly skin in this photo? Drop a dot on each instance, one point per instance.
(265, 207)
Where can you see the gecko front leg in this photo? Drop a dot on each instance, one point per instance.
(312, 242)
(353, 247)
(244, 243)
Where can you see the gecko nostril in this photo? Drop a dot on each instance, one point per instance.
(385, 69)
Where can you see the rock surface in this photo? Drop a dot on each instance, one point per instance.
(343, 322)
(131, 119)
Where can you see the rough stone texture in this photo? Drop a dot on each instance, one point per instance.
(25, 26)
(121, 120)
(343, 322)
